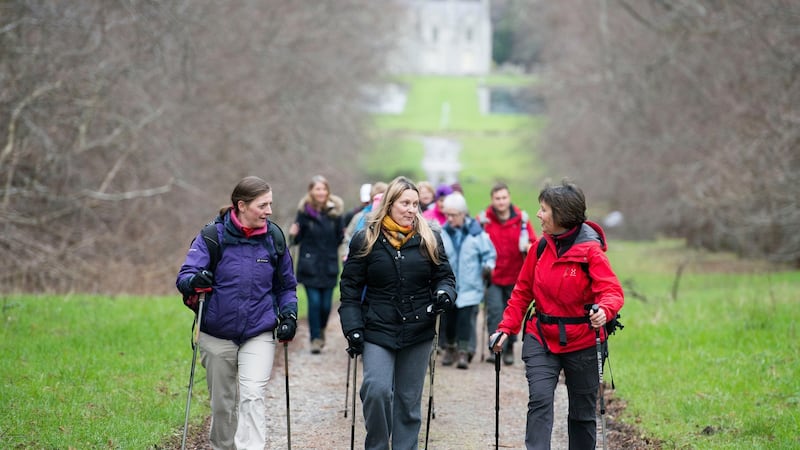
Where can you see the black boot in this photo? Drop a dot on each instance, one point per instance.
(449, 355)
(463, 362)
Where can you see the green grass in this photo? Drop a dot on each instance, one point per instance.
(98, 372)
(718, 367)
(438, 104)
(494, 147)
(724, 357)
(94, 372)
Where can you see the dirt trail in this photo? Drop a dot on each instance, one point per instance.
(464, 403)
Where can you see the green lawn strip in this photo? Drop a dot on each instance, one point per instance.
(440, 104)
(90, 372)
(718, 367)
(394, 155)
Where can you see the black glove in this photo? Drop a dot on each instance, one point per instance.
(486, 274)
(287, 327)
(202, 281)
(355, 341)
(442, 303)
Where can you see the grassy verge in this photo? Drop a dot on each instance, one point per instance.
(92, 372)
(718, 366)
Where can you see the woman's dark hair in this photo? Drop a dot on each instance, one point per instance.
(247, 190)
(567, 202)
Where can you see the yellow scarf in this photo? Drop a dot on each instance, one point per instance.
(396, 234)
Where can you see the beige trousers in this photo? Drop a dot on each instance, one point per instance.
(237, 379)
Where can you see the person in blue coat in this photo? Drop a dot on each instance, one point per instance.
(251, 306)
(472, 257)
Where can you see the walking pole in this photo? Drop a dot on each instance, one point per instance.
(600, 376)
(195, 339)
(485, 331)
(496, 391)
(347, 386)
(432, 363)
(353, 421)
(286, 371)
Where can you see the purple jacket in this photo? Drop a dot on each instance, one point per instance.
(244, 301)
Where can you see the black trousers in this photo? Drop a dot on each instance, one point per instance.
(580, 372)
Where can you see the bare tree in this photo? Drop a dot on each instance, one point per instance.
(126, 124)
(682, 114)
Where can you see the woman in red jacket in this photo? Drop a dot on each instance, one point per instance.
(572, 274)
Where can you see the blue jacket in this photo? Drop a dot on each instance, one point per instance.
(244, 301)
(475, 253)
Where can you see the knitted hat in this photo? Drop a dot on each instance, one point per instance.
(443, 190)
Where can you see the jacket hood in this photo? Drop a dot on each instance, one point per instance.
(591, 231)
(334, 207)
(473, 227)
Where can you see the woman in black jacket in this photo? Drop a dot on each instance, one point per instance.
(318, 230)
(395, 280)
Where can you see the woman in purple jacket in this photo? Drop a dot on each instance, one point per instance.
(253, 291)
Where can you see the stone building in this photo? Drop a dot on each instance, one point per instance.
(444, 37)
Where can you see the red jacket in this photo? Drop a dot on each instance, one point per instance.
(561, 288)
(505, 237)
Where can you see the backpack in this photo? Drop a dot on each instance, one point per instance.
(611, 325)
(210, 235)
(524, 239)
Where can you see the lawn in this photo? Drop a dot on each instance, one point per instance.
(447, 104)
(715, 368)
(718, 366)
(91, 372)
(494, 147)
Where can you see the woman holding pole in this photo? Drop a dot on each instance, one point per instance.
(571, 275)
(395, 281)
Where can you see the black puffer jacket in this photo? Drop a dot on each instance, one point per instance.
(400, 284)
(319, 239)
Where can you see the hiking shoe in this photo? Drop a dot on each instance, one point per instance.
(316, 346)
(449, 357)
(490, 359)
(508, 358)
(462, 360)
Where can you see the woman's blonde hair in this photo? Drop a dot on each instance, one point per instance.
(421, 227)
(318, 179)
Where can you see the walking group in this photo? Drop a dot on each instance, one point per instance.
(416, 266)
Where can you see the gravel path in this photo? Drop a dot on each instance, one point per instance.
(464, 404)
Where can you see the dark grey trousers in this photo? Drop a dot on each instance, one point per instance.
(496, 301)
(580, 372)
(391, 395)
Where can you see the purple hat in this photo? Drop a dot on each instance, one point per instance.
(443, 190)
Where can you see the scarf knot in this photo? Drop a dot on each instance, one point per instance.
(397, 234)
